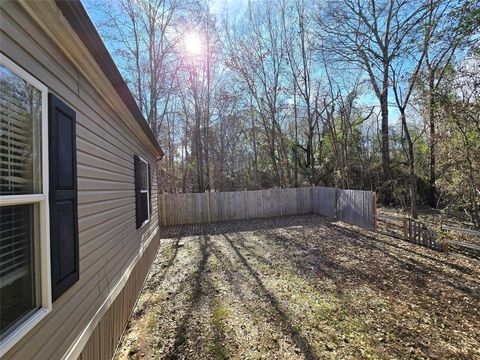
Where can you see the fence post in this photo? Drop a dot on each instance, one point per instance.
(247, 212)
(311, 197)
(262, 193)
(281, 204)
(164, 209)
(405, 229)
(336, 203)
(208, 205)
(374, 207)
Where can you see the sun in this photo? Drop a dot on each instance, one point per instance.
(193, 43)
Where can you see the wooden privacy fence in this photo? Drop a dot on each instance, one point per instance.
(352, 206)
(325, 201)
(357, 207)
(195, 208)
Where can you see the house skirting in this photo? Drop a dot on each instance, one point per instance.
(102, 342)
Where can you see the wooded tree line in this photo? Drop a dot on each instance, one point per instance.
(363, 94)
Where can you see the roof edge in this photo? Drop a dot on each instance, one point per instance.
(81, 23)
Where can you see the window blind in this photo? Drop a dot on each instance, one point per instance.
(15, 241)
(20, 119)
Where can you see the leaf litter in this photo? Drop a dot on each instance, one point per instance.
(302, 287)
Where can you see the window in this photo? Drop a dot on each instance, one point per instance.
(25, 295)
(142, 191)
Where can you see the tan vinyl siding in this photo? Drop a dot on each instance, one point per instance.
(106, 200)
(103, 341)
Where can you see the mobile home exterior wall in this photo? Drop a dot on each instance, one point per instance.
(114, 256)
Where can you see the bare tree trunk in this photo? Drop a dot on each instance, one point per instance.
(411, 167)
(432, 192)
(385, 149)
(273, 156)
(207, 107)
(198, 145)
(255, 152)
(295, 147)
(185, 155)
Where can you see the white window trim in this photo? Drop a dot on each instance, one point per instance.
(42, 200)
(148, 193)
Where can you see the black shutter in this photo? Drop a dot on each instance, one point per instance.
(138, 197)
(63, 196)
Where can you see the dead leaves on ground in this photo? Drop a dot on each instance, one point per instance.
(302, 288)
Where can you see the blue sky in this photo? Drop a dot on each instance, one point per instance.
(222, 8)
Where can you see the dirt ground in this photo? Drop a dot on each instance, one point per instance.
(303, 288)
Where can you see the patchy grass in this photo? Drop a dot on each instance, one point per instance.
(219, 317)
(302, 288)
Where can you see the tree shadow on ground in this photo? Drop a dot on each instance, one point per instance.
(235, 226)
(281, 316)
(318, 251)
(159, 275)
(415, 267)
(200, 293)
(360, 238)
(180, 333)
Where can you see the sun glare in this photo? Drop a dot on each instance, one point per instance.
(193, 43)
